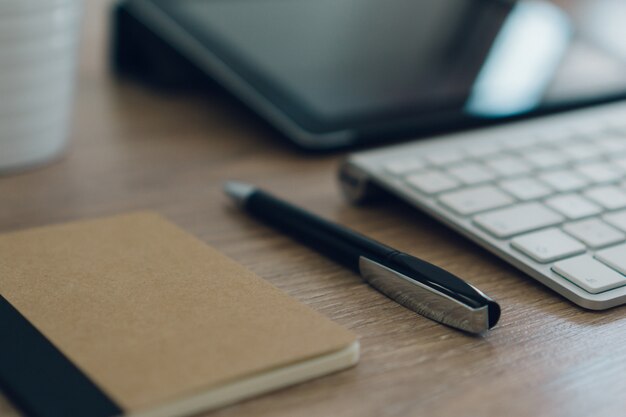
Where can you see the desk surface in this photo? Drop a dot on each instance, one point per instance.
(134, 149)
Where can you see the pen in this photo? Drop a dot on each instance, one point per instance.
(416, 284)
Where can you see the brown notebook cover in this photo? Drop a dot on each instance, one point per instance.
(158, 323)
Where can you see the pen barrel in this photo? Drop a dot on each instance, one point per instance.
(337, 242)
(412, 282)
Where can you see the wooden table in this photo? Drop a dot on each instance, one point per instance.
(135, 149)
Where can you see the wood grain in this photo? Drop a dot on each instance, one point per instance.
(133, 148)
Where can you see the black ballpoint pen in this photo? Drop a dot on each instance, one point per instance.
(416, 284)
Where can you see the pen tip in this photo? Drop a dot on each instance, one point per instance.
(238, 191)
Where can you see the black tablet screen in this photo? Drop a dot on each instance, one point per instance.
(332, 63)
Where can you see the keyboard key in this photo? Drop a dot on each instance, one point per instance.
(600, 172)
(556, 136)
(548, 245)
(432, 182)
(507, 166)
(521, 142)
(518, 219)
(617, 219)
(563, 180)
(544, 158)
(620, 162)
(612, 144)
(471, 173)
(617, 126)
(525, 188)
(614, 257)
(591, 129)
(445, 158)
(404, 166)
(480, 150)
(594, 233)
(573, 206)
(581, 151)
(473, 200)
(609, 197)
(589, 274)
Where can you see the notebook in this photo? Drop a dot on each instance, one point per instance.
(130, 315)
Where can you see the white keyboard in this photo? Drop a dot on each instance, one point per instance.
(547, 195)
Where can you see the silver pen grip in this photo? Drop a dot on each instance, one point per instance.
(423, 299)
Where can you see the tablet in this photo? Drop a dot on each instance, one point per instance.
(331, 73)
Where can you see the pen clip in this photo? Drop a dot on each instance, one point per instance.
(427, 300)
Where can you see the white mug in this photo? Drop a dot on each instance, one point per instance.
(38, 49)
